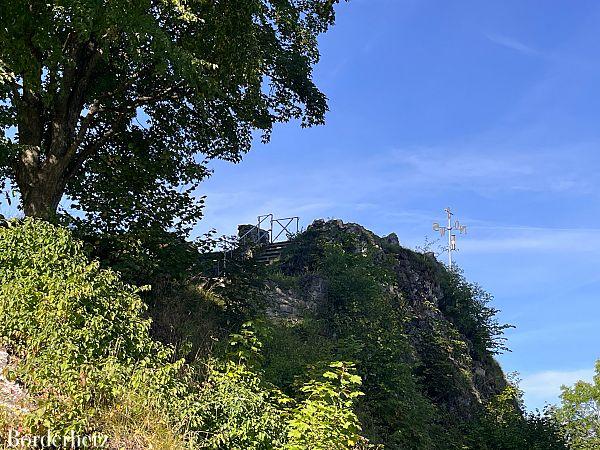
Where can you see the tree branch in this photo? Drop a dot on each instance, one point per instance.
(96, 109)
(88, 151)
(83, 128)
(162, 95)
(74, 87)
(11, 81)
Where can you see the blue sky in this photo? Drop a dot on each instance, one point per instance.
(492, 108)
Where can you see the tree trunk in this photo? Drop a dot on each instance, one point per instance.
(41, 201)
(41, 190)
(49, 135)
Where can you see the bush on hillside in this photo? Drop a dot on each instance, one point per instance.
(504, 426)
(79, 335)
(86, 357)
(467, 305)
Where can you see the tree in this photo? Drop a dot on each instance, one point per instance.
(504, 425)
(580, 413)
(130, 99)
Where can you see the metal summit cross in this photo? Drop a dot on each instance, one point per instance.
(462, 229)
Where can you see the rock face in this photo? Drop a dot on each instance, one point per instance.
(474, 377)
(291, 304)
(13, 397)
(392, 239)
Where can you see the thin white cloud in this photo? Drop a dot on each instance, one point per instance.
(489, 226)
(552, 332)
(487, 170)
(542, 388)
(539, 240)
(322, 188)
(511, 43)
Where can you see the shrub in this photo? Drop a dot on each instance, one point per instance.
(504, 426)
(467, 306)
(325, 419)
(77, 329)
(579, 413)
(86, 356)
(240, 411)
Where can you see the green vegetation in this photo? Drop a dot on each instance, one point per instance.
(89, 358)
(580, 413)
(86, 357)
(121, 104)
(85, 352)
(416, 359)
(82, 344)
(116, 323)
(503, 425)
(366, 325)
(467, 306)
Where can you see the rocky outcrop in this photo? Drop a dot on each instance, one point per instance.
(292, 303)
(252, 234)
(13, 398)
(473, 377)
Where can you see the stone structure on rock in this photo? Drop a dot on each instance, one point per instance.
(254, 234)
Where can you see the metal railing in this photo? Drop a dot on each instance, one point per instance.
(284, 227)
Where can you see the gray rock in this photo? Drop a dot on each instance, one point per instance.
(417, 287)
(392, 239)
(12, 396)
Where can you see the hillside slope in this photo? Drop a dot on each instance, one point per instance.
(423, 338)
(349, 341)
(420, 286)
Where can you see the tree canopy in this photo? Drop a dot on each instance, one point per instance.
(121, 104)
(579, 413)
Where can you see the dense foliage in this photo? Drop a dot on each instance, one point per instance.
(83, 349)
(416, 360)
(504, 426)
(84, 353)
(77, 328)
(579, 413)
(120, 104)
(468, 307)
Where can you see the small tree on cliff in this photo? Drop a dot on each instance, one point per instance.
(579, 413)
(125, 101)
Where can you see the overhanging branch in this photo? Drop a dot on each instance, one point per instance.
(88, 151)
